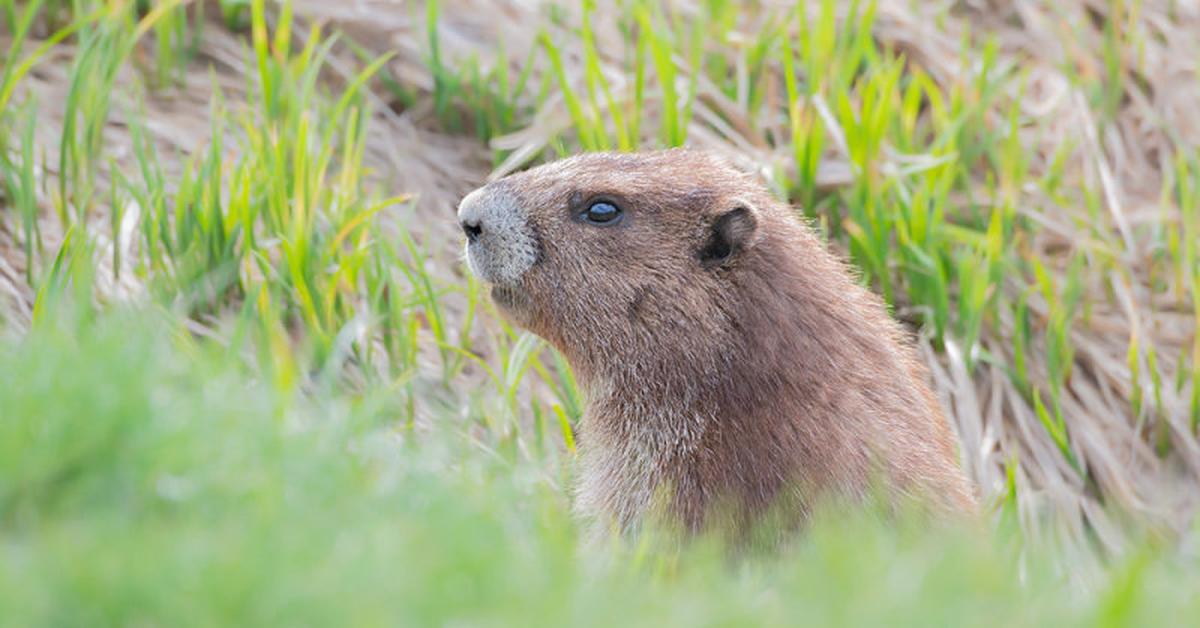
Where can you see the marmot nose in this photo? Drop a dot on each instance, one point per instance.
(473, 228)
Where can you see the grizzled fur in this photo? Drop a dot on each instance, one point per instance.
(730, 361)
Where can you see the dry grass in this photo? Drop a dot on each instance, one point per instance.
(1104, 98)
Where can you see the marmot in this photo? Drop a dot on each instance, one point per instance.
(730, 361)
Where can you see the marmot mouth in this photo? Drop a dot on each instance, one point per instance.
(509, 296)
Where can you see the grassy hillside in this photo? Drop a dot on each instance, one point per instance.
(250, 383)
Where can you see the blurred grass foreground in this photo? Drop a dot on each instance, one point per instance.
(245, 380)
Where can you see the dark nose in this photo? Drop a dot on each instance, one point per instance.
(472, 228)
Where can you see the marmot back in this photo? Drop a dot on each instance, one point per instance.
(731, 362)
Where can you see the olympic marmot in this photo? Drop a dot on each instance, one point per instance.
(731, 362)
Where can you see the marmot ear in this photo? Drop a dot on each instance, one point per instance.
(730, 233)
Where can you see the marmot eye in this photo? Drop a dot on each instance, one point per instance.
(602, 213)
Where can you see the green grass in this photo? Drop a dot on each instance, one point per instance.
(298, 422)
(166, 484)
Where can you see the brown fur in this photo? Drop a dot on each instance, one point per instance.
(770, 376)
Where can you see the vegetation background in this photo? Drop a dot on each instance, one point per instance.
(246, 380)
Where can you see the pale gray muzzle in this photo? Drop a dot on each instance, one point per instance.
(501, 245)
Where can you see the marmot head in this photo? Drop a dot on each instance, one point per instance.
(610, 255)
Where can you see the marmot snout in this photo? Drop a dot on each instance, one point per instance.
(731, 362)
